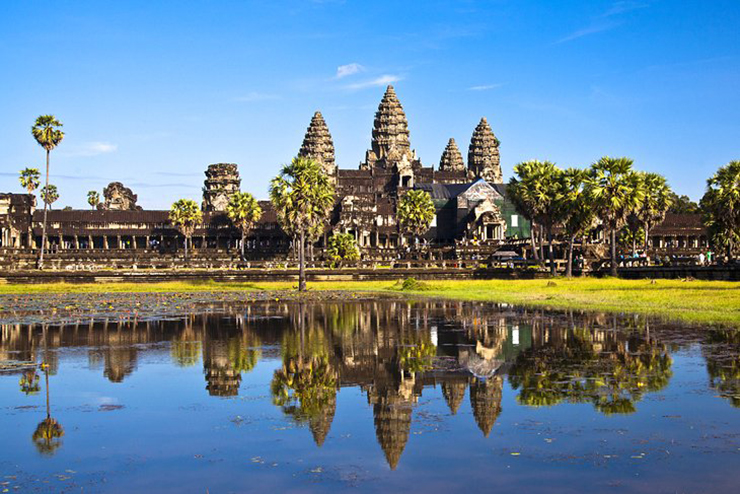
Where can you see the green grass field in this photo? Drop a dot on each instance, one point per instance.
(692, 301)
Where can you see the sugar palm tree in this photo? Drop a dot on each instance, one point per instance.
(303, 197)
(415, 212)
(47, 134)
(342, 247)
(29, 179)
(577, 213)
(93, 199)
(49, 194)
(721, 206)
(614, 191)
(186, 216)
(244, 212)
(656, 203)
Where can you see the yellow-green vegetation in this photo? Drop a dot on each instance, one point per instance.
(693, 301)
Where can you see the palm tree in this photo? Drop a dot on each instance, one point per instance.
(93, 199)
(47, 433)
(415, 212)
(537, 193)
(29, 179)
(577, 213)
(342, 247)
(47, 134)
(186, 216)
(49, 194)
(656, 203)
(614, 192)
(721, 206)
(303, 197)
(244, 211)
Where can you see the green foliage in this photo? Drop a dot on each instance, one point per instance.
(93, 198)
(575, 210)
(682, 205)
(46, 436)
(536, 192)
(49, 194)
(657, 200)
(304, 386)
(46, 132)
(29, 382)
(721, 206)
(29, 179)
(615, 190)
(186, 216)
(243, 210)
(415, 212)
(342, 247)
(413, 285)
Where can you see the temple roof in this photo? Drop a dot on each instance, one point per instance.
(390, 129)
(318, 144)
(451, 159)
(483, 154)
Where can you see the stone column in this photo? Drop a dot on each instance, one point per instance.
(134, 244)
(77, 242)
(105, 242)
(90, 244)
(118, 239)
(148, 242)
(61, 242)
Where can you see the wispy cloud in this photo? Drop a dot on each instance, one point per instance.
(485, 87)
(90, 149)
(349, 69)
(255, 96)
(383, 80)
(606, 21)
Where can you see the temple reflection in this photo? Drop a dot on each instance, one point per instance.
(392, 351)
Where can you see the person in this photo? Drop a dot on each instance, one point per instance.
(710, 256)
(701, 259)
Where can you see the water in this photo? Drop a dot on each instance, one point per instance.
(369, 396)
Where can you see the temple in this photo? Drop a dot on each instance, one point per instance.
(474, 218)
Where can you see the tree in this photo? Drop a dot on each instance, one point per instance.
(577, 213)
(415, 212)
(342, 247)
(186, 216)
(303, 197)
(47, 134)
(656, 203)
(29, 179)
(721, 206)
(49, 194)
(93, 199)
(244, 211)
(614, 192)
(538, 193)
(682, 205)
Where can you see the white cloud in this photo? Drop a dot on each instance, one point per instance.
(484, 87)
(349, 69)
(255, 96)
(383, 80)
(593, 29)
(91, 149)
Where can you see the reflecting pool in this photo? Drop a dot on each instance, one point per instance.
(368, 396)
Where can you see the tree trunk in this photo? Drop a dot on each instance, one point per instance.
(242, 245)
(614, 271)
(533, 239)
(634, 244)
(46, 207)
(550, 253)
(569, 264)
(186, 249)
(48, 408)
(302, 262)
(542, 242)
(646, 227)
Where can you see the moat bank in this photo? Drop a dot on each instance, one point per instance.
(710, 302)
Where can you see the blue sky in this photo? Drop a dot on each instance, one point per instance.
(150, 93)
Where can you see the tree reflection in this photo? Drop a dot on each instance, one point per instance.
(722, 353)
(47, 435)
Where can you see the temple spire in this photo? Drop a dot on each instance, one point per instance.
(318, 145)
(451, 159)
(390, 130)
(483, 154)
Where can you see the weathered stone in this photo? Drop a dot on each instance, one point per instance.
(222, 181)
(390, 140)
(318, 145)
(451, 159)
(483, 154)
(119, 198)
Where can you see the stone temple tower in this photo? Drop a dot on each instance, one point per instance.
(451, 160)
(390, 143)
(222, 181)
(483, 155)
(318, 145)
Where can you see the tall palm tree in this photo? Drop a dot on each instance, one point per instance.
(93, 198)
(656, 203)
(614, 191)
(49, 194)
(29, 179)
(577, 213)
(186, 216)
(415, 212)
(303, 197)
(47, 134)
(721, 206)
(244, 211)
(537, 192)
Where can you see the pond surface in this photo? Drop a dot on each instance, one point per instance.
(370, 396)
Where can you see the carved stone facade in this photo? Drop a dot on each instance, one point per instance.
(483, 154)
(222, 181)
(451, 160)
(119, 198)
(319, 146)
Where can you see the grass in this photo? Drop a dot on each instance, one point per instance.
(692, 301)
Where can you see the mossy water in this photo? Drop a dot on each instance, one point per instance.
(368, 395)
